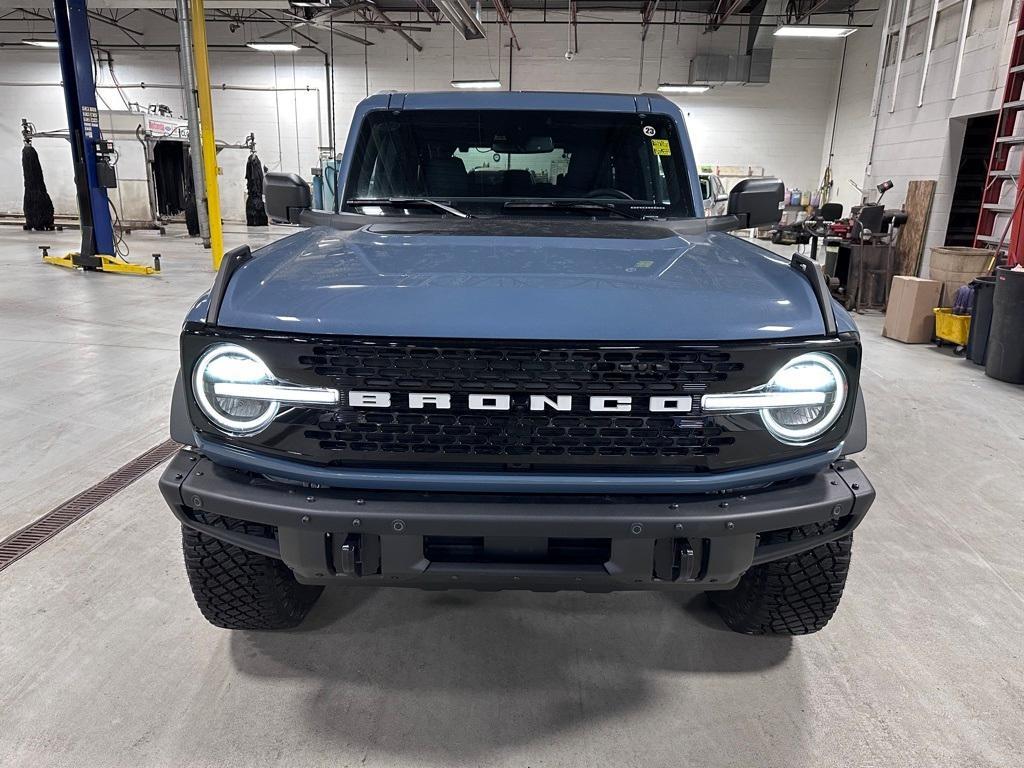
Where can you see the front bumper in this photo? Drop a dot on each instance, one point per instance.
(516, 541)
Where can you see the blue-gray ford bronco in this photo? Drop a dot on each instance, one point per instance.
(516, 355)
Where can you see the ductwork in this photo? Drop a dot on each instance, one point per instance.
(751, 68)
(732, 68)
(462, 18)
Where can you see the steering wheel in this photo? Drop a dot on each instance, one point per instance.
(609, 192)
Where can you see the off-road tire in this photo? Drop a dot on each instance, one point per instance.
(796, 595)
(238, 589)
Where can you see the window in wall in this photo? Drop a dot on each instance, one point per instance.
(919, 6)
(984, 15)
(917, 34)
(892, 47)
(947, 25)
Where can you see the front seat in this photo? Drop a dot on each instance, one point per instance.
(445, 177)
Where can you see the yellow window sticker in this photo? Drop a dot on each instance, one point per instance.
(661, 147)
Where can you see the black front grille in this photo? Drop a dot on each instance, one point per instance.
(407, 367)
(519, 434)
(518, 438)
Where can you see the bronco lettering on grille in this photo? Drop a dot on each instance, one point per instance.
(488, 402)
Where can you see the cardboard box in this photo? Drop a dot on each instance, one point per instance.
(909, 317)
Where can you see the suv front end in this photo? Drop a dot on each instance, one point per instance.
(448, 400)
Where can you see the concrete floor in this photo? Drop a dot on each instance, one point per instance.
(104, 660)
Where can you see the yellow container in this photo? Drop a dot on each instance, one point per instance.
(950, 327)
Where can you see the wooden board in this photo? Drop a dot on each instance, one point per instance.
(910, 246)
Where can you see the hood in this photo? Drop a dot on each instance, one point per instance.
(522, 279)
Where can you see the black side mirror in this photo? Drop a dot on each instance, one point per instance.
(756, 202)
(287, 197)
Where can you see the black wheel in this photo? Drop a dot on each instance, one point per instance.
(238, 589)
(793, 596)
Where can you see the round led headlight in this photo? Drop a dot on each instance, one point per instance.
(810, 391)
(221, 373)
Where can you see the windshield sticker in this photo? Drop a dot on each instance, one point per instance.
(650, 130)
(661, 147)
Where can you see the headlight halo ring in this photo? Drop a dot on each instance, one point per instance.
(209, 408)
(833, 410)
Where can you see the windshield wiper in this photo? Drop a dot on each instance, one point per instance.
(573, 205)
(409, 202)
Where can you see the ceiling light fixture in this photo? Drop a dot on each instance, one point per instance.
(41, 43)
(807, 30)
(462, 18)
(679, 88)
(476, 84)
(274, 47)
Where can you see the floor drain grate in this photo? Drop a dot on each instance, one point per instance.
(19, 544)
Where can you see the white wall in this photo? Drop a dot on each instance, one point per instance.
(924, 142)
(853, 123)
(779, 126)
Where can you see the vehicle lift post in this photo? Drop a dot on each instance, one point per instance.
(201, 58)
(89, 152)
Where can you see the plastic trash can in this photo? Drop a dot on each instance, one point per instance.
(1004, 359)
(981, 318)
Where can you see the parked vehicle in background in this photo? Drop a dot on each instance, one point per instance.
(517, 355)
(713, 195)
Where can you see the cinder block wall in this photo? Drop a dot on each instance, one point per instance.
(919, 142)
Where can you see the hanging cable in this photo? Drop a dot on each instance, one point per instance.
(121, 249)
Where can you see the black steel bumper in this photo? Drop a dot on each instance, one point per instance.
(507, 541)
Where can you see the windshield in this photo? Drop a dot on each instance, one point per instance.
(482, 159)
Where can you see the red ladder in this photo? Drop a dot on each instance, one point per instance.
(987, 233)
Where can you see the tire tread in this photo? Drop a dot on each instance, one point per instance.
(239, 589)
(796, 595)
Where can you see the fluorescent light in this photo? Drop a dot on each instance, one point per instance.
(41, 43)
(480, 84)
(274, 47)
(672, 88)
(806, 30)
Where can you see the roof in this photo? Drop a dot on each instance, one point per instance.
(541, 100)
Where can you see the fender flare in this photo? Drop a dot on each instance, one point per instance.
(181, 424)
(857, 437)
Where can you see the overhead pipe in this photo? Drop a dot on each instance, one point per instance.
(459, 15)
